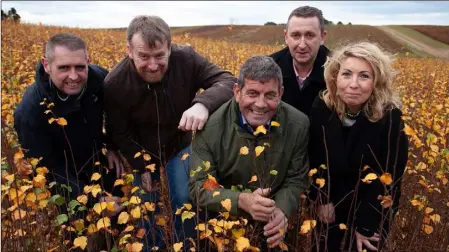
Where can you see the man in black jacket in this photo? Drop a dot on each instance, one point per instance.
(302, 60)
(60, 117)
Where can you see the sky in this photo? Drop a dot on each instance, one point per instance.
(114, 14)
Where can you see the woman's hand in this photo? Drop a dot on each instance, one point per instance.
(326, 213)
(362, 240)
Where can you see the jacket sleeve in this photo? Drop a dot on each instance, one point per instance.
(216, 82)
(393, 159)
(198, 194)
(119, 129)
(35, 143)
(296, 181)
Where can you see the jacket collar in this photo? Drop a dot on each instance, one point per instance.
(317, 72)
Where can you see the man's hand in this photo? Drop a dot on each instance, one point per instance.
(362, 240)
(114, 161)
(257, 204)
(326, 213)
(276, 228)
(194, 118)
(118, 207)
(146, 181)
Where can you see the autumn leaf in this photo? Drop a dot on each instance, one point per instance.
(244, 150)
(428, 210)
(206, 165)
(321, 182)
(435, 218)
(226, 204)
(177, 246)
(123, 218)
(215, 194)
(242, 243)
(275, 124)
(103, 223)
(273, 172)
(369, 178)
(146, 157)
(151, 167)
(150, 206)
(138, 154)
(259, 150)
(135, 200)
(128, 228)
(95, 190)
(80, 242)
(61, 121)
(427, 229)
(312, 172)
(134, 247)
(187, 215)
(185, 156)
(283, 246)
(119, 182)
(260, 129)
(211, 183)
(342, 226)
(96, 176)
(307, 225)
(409, 131)
(386, 178)
(100, 207)
(140, 233)
(387, 201)
(253, 179)
(135, 212)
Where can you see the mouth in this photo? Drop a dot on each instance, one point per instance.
(72, 85)
(257, 113)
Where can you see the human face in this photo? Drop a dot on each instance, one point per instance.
(304, 37)
(355, 83)
(151, 62)
(258, 101)
(68, 69)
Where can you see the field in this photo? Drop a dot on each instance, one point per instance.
(440, 33)
(29, 222)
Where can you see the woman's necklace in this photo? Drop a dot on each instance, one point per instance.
(351, 115)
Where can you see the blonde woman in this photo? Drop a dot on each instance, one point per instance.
(356, 129)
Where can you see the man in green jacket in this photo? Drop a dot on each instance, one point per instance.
(259, 142)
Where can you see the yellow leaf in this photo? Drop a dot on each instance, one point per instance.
(307, 225)
(42, 171)
(79, 225)
(259, 150)
(137, 154)
(51, 120)
(146, 157)
(124, 239)
(91, 229)
(226, 204)
(53, 249)
(342, 226)
(103, 223)
(435, 218)
(260, 129)
(242, 243)
(134, 189)
(119, 182)
(177, 246)
(206, 165)
(200, 227)
(39, 181)
(188, 206)
(428, 229)
(218, 229)
(134, 247)
(428, 210)
(123, 218)
(19, 214)
(275, 124)
(135, 213)
(135, 200)
(312, 172)
(150, 206)
(244, 150)
(386, 178)
(160, 221)
(283, 246)
(151, 167)
(237, 233)
(369, 178)
(185, 156)
(61, 121)
(43, 203)
(215, 194)
(99, 207)
(128, 228)
(80, 242)
(409, 131)
(253, 179)
(96, 176)
(434, 148)
(95, 190)
(321, 182)
(187, 215)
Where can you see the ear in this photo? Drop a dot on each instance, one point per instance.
(285, 36)
(281, 92)
(323, 37)
(237, 91)
(128, 46)
(88, 60)
(46, 65)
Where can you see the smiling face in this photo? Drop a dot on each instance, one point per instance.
(258, 101)
(68, 70)
(355, 83)
(304, 38)
(151, 62)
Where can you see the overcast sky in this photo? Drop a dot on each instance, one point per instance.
(105, 14)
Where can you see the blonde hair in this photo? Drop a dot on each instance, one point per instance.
(382, 98)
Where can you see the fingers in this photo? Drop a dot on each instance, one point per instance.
(201, 124)
(369, 245)
(274, 240)
(262, 192)
(274, 226)
(195, 123)
(359, 244)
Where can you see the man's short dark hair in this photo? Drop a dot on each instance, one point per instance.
(306, 12)
(260, 68)
(67, 40)
(151, 28)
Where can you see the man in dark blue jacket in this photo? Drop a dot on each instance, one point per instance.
(66, 87)
(302, 60)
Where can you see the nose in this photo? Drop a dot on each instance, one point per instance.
(354, 84)
(152, 65)
(302, 42)
(260, 102)
(73, 75)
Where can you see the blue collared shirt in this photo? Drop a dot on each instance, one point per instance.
(245, 125)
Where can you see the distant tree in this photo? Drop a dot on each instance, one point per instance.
(327, 22)
(270, 23)
(349, 23)
(339, 23)
(4, 16)
(12, 15)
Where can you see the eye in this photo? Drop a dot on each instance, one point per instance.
(63, 68)
(80, 68)
(271, 96)
(143, 57)
(346, 74)
(365, 76)
(310, 35)
(251, 94)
